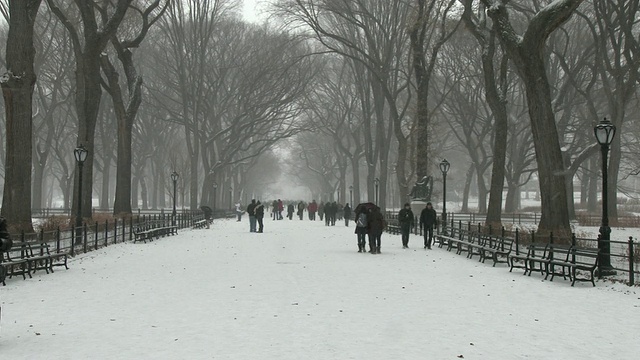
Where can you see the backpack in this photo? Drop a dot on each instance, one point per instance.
(362, 220)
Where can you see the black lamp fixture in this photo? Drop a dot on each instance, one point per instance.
(376, 182)
(605, 132)
(80, 153)
(444, 168)
(174, 178)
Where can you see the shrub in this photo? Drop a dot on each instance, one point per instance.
(54, 222)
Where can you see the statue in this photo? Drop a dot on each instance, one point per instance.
(422, 189)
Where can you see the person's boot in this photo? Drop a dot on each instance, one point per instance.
(372, 250)
(359, 248)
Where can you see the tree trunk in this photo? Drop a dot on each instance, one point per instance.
(592, 197)
(17, 90)
(527, 52)
(467, 189)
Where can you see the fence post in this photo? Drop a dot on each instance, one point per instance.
(517, 242)
(106, 232)
(96, 236)
(124, 230)
(84, 237)
(73, 241)
(632, 276)
(115, 231)
(58, 240)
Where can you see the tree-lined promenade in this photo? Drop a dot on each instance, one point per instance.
(348, 99)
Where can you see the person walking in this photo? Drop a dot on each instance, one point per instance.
(334, 213)
(239, 211)
(280, 209)
(428, 218)
(347, 214)
(361, 227)
(405, 219)
(321, 210)
(301, 208)
(290, 210)
(251, 211)
(259, 211)
(312, 208)
(376, 227)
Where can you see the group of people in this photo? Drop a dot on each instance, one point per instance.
(371, 223)
(368, 217)
(327, 212)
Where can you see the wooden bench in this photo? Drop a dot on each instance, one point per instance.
(476, 244)
(465, 242)
(393, 229)
(498, 249)
(584, 259)
(14, 262)
(535, 250)
(150, 231)
(142, 234)
(199, 224)
(40, 257)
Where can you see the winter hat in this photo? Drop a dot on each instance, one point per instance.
(407, 204)
(429, 204)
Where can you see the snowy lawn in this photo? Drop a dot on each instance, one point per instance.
(301, 291)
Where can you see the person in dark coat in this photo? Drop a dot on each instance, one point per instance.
(301, 208)
(334, 213)
(376, 227)
(280, 209)
(321, 210)
(260, 216)
(251, 211)
(428, 219)
(362, 227)
(290, 210)
(405, 220)
(347, 214)
(327, 213)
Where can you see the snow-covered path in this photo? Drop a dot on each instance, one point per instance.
(301, 290)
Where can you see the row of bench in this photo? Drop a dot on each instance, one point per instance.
(25, 258)
(549, 259)
(149, 231)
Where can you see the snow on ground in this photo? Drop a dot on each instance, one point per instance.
(301, 291)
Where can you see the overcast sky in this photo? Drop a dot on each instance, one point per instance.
(251, 9)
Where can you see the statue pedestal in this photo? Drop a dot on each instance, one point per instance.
(417, 206)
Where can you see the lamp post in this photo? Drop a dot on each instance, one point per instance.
(231, 198)
(80, 153)
(174, 178)
(376, 181)
(351, 195)
(215, 193)
(444, 167)
(604, 132)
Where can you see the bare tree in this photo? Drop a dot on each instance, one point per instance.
(91, 24)
(494, 71)
(17, 90)
(126, 110)
(527, 53)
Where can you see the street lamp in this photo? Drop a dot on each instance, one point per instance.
(604, 132)
(174, 178)
(444, 167)
(215, 193)
(80, 153)
(351, 195)
(376, 181)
